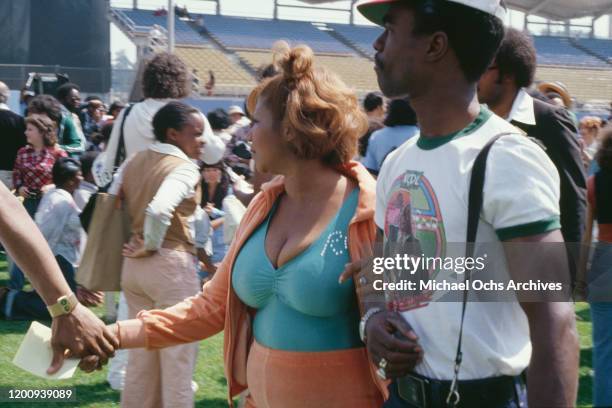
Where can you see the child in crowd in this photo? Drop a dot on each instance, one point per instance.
(58, 220)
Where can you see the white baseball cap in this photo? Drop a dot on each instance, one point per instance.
(235, 109)
(214, 149)
(375, 10)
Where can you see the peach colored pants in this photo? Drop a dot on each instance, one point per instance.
(159, 378)
(331, 379)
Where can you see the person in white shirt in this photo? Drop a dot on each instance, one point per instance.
(58, 220)
(165, 78)
(427, 52)
(88, 186)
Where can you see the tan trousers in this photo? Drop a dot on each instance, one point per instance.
(159, 378)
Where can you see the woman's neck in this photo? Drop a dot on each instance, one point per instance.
(212, 189)
(38, 148)
(310, 179)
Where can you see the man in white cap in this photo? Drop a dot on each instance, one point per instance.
(434, 52)
(237, 116)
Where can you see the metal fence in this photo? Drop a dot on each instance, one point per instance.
(89, 79)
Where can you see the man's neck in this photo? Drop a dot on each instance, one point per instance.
(446, 110)
(503, 106)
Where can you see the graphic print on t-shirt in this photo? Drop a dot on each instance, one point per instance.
(413, 226)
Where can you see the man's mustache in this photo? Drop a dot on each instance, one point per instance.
(378, 62)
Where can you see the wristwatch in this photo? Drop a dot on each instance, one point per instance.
(364, 321)
(65, 304)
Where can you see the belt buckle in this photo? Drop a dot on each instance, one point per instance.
(413, 390)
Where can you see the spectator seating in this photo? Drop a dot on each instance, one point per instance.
(560, 51)
(259, 34)
(357, 72)
(583, 84)
(602, 48)
(360, 37)
(230, 77)
(145, 19)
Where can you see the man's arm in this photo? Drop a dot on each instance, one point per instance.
(561, 142)
(552, 377)
(79, 331)
(73, 140)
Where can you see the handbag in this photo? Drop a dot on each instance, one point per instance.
(102, 260)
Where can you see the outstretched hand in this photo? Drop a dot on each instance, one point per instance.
(80, 333)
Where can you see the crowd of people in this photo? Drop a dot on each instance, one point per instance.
(257, 221)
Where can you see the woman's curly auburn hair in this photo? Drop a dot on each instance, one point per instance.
(166, 77)
(319, 114)
(45, 126)
(604, 151)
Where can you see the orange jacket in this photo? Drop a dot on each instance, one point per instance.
(218, 307)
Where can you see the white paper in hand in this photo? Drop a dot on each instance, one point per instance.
(35, 354)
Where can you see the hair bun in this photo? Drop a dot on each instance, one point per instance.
(295, 63)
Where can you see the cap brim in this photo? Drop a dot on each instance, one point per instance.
(545, 87)
(375, 10)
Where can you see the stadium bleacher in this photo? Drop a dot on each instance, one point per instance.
(228, 74)
(583, 84)
(361, 37)
(144, 20)
(260, 34)
(227, 42)
(603, 48)
(560, 51)
(357, 72)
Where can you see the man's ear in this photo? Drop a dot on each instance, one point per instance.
(437, 47)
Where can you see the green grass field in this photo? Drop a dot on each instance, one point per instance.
(92, 390)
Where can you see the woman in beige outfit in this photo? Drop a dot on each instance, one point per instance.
(160, 190)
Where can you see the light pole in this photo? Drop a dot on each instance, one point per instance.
(170, 26)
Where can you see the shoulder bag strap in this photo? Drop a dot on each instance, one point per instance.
(121, 153)
(474, 207)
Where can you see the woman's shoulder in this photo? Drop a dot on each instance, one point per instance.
(23, 150)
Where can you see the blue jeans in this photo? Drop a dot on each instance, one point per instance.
(601, 315)
(22, 305)
(520, 400)
(31, 205)
(16, 278)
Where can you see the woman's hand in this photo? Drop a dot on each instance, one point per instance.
(93, 362)
(23, 192)
(89, 298)
(136, 249)
(84, 335)
(210, 207)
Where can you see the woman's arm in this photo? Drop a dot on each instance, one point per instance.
(17, 180)
(176, 187)
(196, 318)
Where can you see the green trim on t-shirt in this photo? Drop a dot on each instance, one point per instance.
(530, 229)
(430, 143)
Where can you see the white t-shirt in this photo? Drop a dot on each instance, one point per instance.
(429, 179)
(57, 218)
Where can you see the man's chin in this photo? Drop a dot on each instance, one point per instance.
(387, 88)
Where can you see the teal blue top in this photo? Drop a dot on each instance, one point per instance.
(300, 305)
